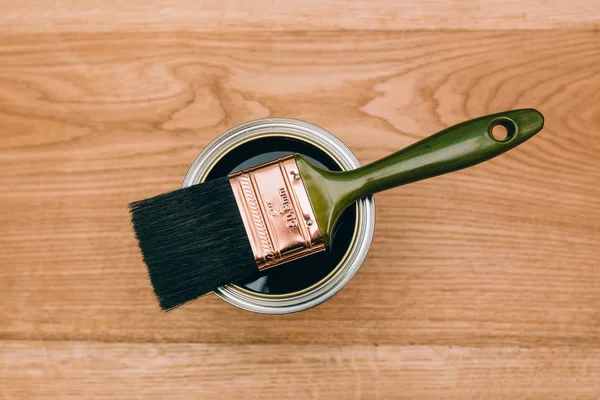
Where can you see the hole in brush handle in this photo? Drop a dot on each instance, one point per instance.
(502, 130)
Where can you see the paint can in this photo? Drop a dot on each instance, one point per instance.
(305, 283)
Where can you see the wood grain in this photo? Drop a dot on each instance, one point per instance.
(506, 252)
(481, 284)
(283, 15)
(81, 370)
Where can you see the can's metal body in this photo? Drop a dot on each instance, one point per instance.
(365, 212)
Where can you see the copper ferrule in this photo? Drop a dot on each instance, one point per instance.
(277, 213)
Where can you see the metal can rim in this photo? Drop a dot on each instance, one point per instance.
(365, 215)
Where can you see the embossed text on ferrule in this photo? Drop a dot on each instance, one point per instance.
(285, 209)
(274, 207)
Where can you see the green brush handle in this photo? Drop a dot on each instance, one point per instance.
(452, 149)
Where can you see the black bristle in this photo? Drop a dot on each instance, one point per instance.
(193, 240)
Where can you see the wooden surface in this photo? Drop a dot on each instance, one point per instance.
(481, 284)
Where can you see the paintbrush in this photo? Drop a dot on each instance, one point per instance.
(229, 229)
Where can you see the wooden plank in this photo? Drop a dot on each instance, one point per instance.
(59, 16)
(504, 253)
(95, 370)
